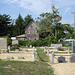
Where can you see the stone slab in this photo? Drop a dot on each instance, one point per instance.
(14, 42)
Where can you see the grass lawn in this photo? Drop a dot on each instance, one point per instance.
(24, 68)
(27, 68)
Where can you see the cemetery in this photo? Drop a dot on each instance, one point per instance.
(21, 54)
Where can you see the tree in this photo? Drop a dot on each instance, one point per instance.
(4, 22)
(48, 20)
(27, 20)
(19, 25)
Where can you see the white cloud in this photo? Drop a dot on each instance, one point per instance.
(38, 6)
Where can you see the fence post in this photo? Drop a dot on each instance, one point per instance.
(52, 57)
(68, 50)
(33, 53)
(48, 52)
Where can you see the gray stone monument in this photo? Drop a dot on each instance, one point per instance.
(14, 42)
(3, 44)
(61, 59)
(72, 59)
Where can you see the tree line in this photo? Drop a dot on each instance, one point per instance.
(49, 24)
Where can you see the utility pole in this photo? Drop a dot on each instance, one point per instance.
(74, 18)
(74, 23)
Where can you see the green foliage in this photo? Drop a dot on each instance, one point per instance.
(4, 22)
(41, 42)
(27, 20)
(16, 46)
(42, 55)
(19, 25)
(9, 41)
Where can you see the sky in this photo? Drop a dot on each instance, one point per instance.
(37, 7)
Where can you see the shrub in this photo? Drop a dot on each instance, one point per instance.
(61, 49)
(16, 46)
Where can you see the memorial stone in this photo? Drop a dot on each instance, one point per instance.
(72, 59)
(61, 59)
(14, 42)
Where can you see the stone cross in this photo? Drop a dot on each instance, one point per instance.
(33, 53)
(48, 52)
(52, 57)
(68, 50)
(9, 48)
(45, 49)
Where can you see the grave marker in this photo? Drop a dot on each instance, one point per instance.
(61, 59)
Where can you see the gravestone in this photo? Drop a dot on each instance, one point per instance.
(3, 44)
(61, 59)
(14, 42)
(72, 59)
(73, 46)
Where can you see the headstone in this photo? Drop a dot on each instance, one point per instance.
(72, 59)
(14, 42)
(30, 46)
(10, 57)
(20, 57)
(61, 59)
(3, 44)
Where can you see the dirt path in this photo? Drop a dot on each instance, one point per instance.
(63, 68)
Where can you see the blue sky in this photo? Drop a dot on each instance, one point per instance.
(36, 7)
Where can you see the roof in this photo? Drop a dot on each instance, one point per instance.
(23, 35)
(33, 24)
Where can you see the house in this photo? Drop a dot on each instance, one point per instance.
(31, 32)
(20, 37)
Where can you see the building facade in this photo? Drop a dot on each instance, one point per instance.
(31, 32)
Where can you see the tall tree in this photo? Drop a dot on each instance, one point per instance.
(4, 22)
(27, 20)
(19, 25)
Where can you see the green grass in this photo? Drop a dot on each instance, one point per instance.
(42, 55)
(24, 68)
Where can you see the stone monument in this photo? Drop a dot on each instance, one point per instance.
(3, 44)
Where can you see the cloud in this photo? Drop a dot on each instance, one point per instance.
(38, 6)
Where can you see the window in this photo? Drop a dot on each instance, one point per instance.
(31, 25)
(35, 32)
(28, 31)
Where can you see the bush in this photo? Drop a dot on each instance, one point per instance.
(16, 46)
(61, 49)
(9, 41)
(41, 42)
